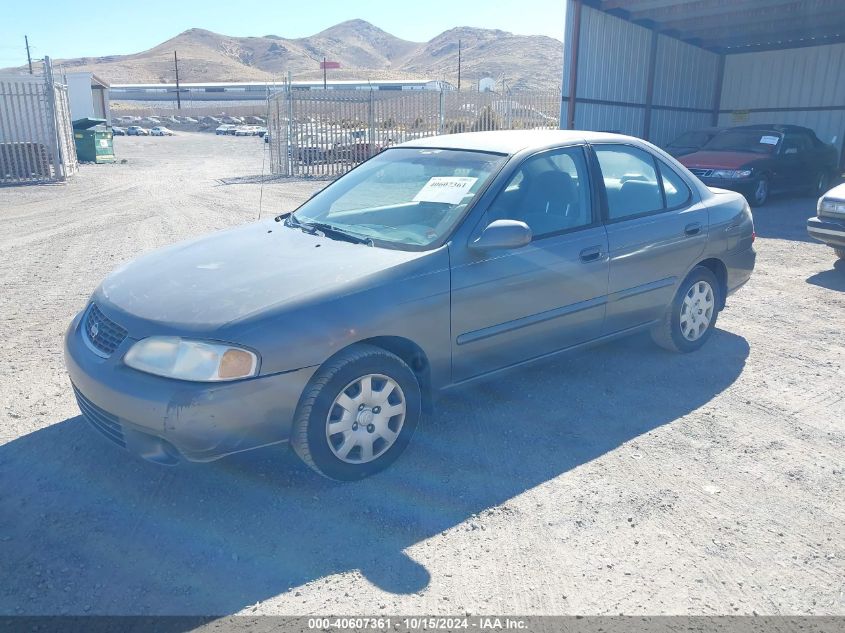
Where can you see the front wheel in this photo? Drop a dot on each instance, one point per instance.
(357, 414)
(691, 317)
(820, 184)
(761, 193)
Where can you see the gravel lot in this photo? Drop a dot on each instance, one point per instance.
(622, 480)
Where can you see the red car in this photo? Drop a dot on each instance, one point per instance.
(757, 160)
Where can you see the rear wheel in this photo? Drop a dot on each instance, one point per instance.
(761, 192)
(357, 414)
(691, 317)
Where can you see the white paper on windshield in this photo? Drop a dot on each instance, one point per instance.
(770, 140)
(445, 189)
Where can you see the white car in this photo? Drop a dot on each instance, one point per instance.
(160, 130)
(246, 130)
(225, 129)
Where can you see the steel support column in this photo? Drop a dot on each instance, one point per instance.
(649, 88)
(573, 64)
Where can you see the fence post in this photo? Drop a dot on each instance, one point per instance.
(441, 103)
(52, 120)
(371, 123)
(288, 149)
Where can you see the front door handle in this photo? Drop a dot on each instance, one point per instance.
(693, 228)
(591, 254)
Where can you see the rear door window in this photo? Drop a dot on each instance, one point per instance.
(630, 179)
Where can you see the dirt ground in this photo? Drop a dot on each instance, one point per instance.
(622, 480)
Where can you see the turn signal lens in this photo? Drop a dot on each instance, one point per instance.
(236, 363)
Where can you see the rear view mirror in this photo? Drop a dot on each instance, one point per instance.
(503, 234)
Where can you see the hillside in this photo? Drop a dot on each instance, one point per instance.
(363, 50)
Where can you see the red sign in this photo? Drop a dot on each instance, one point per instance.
(329, 65)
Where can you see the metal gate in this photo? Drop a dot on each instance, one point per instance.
(324, 133)
(36, 136)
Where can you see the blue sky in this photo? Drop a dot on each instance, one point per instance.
(84, 28)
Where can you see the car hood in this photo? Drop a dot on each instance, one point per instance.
(207, 283)
(719, 160)
(837, 193)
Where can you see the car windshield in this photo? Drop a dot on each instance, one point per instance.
(755, 141)
(691, 139)
(403, 197)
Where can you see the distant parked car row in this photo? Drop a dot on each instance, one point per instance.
(187, 120)
(137, 130)
(758, 160)
(240, 130)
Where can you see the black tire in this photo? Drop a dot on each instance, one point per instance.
(820, 184)
(840, 253)
(668, 333)
(308, 436)
(760, 195)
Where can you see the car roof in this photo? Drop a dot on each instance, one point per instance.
(514, 141)
(777, 127)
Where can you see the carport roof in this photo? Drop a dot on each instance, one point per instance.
(737, 26)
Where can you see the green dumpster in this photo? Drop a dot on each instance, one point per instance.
(93, 140)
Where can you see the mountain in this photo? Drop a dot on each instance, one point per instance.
(363, 50)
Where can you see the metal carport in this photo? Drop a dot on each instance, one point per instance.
(654, 68)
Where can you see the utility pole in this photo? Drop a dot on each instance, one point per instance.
(28, 56)
(459, 65)
(324, 73)
(178, 92)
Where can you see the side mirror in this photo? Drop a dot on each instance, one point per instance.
(503, 234)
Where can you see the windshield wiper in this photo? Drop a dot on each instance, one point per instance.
(328, 230)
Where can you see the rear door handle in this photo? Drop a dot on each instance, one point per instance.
(693, 228)
(591, 254)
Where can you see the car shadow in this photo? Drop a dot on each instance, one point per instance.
(86, 528)
(832, 279)
(785, 218)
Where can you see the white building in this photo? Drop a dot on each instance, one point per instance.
(88, 96)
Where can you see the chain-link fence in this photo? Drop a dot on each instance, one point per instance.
(326, 133)
(36, 137)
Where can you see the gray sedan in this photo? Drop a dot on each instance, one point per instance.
(437, 262)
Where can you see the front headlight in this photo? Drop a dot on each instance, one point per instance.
(826, 205)
(731, 173)
(200, 361)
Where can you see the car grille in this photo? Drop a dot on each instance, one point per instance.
(103, 333)
(105, 423)
(701, 173)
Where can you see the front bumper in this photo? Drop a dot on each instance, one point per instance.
(831, 231)
(163, 419)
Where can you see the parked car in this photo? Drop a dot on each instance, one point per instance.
(829, 224)
(225, 129)
(233, 120)
(261, 131)
(151, 120)
(495, 249)
(254, 120)
(137, 130)
(757, 160)
(692, 141)
(160, 130)
(246, 130)
(189, 119)
(118, 131)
